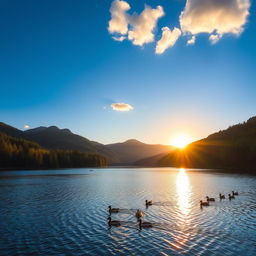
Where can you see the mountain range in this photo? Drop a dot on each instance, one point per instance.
(233, 148)
(53, 137)
(131, 151)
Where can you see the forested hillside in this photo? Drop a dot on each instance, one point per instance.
(233, 148)
(20, 153)
(60, 139)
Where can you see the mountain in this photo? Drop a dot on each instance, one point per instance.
(233, 148)
(9, 130)
(132, 150)
(54, 138)
(18, 153)
(151, 161)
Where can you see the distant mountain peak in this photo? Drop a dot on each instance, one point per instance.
(52, 128)
(66, 130)
(133, 150)
(37, 129)
(133, 141)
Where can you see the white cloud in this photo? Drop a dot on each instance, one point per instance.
(214, 38)
(167, 40)
(191, 41)
(26, 126)
(121, 106)
(119, 19)
(119, 38)
(139, 28)
(143, 25)
(216, 17)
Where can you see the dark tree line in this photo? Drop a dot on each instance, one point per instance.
(20, 153)
(234, 149)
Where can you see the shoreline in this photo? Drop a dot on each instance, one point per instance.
(216, 170)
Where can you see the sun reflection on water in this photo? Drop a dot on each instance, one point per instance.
(183, 218)
(183, 190)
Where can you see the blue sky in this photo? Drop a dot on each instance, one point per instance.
(60, 66)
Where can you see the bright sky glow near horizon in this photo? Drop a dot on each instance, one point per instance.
(117, 70)
(180, 140)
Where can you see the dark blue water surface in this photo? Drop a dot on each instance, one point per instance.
(64, 212)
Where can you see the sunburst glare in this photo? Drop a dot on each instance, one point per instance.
(180, 140)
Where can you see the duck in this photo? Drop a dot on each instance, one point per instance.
(222, 196)
(139, 214)
(234, 193)
(231, 196)
(148, 202)
(115, 223)
(210, 199)
(113, 210)
(145, 224)
(204, 203)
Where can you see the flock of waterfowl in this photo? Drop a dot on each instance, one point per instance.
(221, 196)
(139, 213)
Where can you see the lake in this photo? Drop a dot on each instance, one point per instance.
(64, 212)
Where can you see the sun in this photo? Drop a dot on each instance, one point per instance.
(180, 140)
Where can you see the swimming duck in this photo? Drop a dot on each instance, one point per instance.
(148, 202)
(204, 203)
(222, 196)
(234, 193)
(139, 214)
(115, 223)
(113, 210)
(210, 199)
(231, 197)
(145, 224)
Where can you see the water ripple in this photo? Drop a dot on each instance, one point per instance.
(65, 213)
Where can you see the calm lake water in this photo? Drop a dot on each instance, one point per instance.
(64, 212)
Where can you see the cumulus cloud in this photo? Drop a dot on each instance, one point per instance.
(216, 17)
(143, 25)
(168, 39)
(121, 107)
(26, 126)
(139, 28)
(119, 17)
(191, 41)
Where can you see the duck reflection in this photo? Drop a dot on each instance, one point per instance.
(183, 190)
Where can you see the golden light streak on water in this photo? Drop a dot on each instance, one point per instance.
(183, 190)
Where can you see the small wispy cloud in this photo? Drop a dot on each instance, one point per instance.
(191, 41)
(121, 107)
(26, 126)
(214, 38)
(119, 38)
